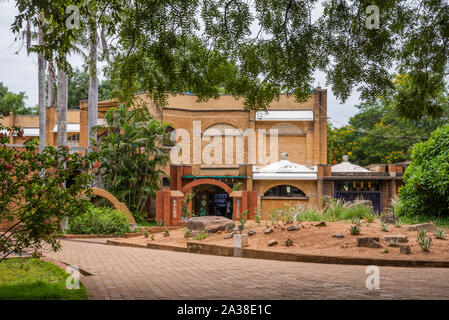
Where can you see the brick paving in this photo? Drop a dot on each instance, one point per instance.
(135, 273)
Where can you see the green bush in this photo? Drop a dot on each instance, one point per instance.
(426, 180)
(99, 220)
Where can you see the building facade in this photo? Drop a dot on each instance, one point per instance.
(228, 160)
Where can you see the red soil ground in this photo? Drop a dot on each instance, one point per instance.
(317, 240)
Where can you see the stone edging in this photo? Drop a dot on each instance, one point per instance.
(211, 249)
(125, 235)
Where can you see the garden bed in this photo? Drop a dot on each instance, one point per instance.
(309, 240)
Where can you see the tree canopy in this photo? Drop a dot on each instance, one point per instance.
(260, 49)
(79, 88)
(379, 134)
(13, 102)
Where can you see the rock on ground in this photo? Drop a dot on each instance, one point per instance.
(321, 224)
(338, 235)
(399, 238)
(272, 243)
(405, 249)
(210, 224)
(428, 226)
(293, 228)
(368, 242)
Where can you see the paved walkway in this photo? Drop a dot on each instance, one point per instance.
(134, 273)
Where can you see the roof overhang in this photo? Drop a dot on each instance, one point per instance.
(284, 176)
(284, 115)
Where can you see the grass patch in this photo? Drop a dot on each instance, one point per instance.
(442, 222)
(33, 279)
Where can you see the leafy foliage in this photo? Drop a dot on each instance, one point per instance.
(378, 133)
(99, 220)
(13, 102)
(258, 50)
(79, 88)
(131, 154)
(426, 180)
(354, 230)
(32, 199)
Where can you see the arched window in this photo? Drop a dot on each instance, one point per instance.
(284, 191)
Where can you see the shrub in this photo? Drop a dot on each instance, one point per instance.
(99, 220)
(187, 233)
(356, 221)
(356, 209)
(440, 234)
(354, 230)
(424, 240)
(426, 180)
(201, 236)
(242, 219)
(258, 216)
(369, 217)
(33, 200)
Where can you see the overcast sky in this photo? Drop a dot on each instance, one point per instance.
(19, 72)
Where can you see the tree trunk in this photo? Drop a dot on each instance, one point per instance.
(41, 90)
(62, 107)
(93, 85)
(51, 99)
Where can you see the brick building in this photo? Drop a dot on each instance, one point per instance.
(231, 159)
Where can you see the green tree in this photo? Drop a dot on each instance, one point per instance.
(378, 133)
(79, 88)
(426, 181)
(31, 198)
(131, 155)
(13, 102)
(257, 50)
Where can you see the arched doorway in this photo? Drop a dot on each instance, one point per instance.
(209, 197)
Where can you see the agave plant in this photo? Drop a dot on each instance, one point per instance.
(356, 221)
(393, 242)
(440, 234)
(258, 216)
(397, 223)
(354, 230)
(369, 217)
(425, 243)
(383, 226)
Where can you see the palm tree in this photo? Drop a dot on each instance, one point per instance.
(62, 107)
(41, 88)
(92, 100)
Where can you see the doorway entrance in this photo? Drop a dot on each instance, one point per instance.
(211, 200)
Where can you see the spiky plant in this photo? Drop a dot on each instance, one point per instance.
(258, 216)
(425, 243)
(440, 234)
(369, 217)
(397, 223)
(386, 250)
(383, 226)
(354, 230)
(421, 234)
(187, 233)
(393, 242)
(356, 221)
